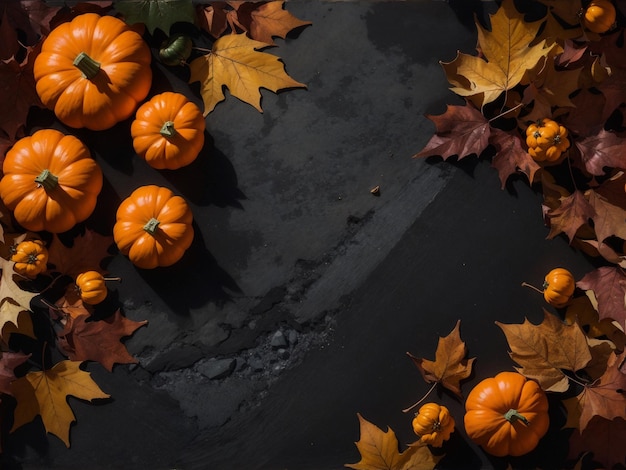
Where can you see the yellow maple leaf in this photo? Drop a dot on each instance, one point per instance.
(235, 62)
(379, 451)
(506, 56)
(45, 393)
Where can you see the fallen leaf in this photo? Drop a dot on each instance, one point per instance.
(608, 283)
(235, 62)
(87, 253)
(13, 299)
(9, 43)
(32, 17)
(602, 437)
(268, 20)
(544, 351)
(8, 362)
(608, 219)
(45, 393)
(161, 14)
(511, 156)
(601, 150)
(213, 18)
(573, 212)
(450, 366)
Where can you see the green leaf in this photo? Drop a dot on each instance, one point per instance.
(156, 13)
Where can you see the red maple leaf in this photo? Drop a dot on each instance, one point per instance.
(573, 212)
(32, 17)
(604, 149)
(511, 156)
(461, 131)
(609, 286)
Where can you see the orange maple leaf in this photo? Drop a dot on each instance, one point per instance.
(379, 451)
(271, 19)
(235, 62)
(45, 393)
(450, 365)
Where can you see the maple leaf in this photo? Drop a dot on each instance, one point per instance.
(379, 451)
(461, 130)
(544, 351)
(560, 12)
(45, 393)
(507, 56)
(236, 63)
(265, 20)
(608, 219)
(13, 299)
(67, 13)
(573, 212)
(8, 362)
(30, 16)
(98, 340)
(213, 18)
(614, 87)
(604, 149)
(604, 438)
(161, 14)
(9, 44)
(86, 254)
(609, 286)
(585, 119)
(450, 365)
(17, 93)
(511, 156)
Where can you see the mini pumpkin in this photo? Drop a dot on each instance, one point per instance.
(168, 131)
(599, 16)
(50, 181)
(546, 140)
(506, 414)
(153, 227)
(93, 71)
(30, 257)
(434, 424)
(558, 287)
(91, 287)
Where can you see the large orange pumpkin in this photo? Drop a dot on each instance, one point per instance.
(153, 227)
(93, 71)
(50, 181)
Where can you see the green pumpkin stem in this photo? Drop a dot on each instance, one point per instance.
(47, 180)
(88, 67)
(513, 415)
(168, 129)
(151, 226)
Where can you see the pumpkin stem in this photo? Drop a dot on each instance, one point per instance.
(47, 180)
(513, 415)
(524, 284)
(151, 226)
(88, 67)
(168, 129)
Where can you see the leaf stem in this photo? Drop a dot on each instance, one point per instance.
(506, 112)
(406, 410)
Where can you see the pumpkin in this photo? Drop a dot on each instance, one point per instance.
(153, 227)
(558, 287)
(599, 16)
(91, 287)
(93, 71)
(168, 131)
(176, 49)
(546, 141)
(50, 181)
(433, 423)
(30, 257)
(506, 414)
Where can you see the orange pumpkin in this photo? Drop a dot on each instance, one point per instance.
(506, 414)
(546, 141)
(433, 423)
(91, 287)
(93, 71)
(558, 287)
(50, 181)
(30, 257)
(599, 16)
(168, 131)
(153, 227)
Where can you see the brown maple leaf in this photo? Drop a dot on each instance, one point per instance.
(265, 20)
(614, 86)
(87, 253)
(9, 43)
(450, 366)
(608, 219)
(604, 149)
(236, 62)
(32, 17)
(45, 394)
(379, 451)
(8, 362)
(511, 156)
(461, 131)
(573, 212)
(544, 351)
(85, 339)
(602, 437)
(213, 18)
(608, 283)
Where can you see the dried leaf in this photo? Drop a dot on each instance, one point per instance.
(511, 156)
(161, 14)
(86, 254)
(604, 438)
(609, 286)
(270, 19)
(573, 212)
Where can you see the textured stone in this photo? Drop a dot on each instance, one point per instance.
(217, 368)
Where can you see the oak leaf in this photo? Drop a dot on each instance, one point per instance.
(85, 339)
(87, 253)
(544, 351)
(608, 283)
(506, 56)
(461, 131)
(45, 393)
(603, 149)
(573, 212)
(379, 451)
(450, 366)
(604, 438)
(511, 156)
(236, 62)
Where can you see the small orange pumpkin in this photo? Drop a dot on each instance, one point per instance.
(91, 287)
(50, 181)
(599, 16)
(30, 257)
(433, 423)
(558, 287)
(546, 141)
(153, 227)
(506, 414)
(168, 131)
